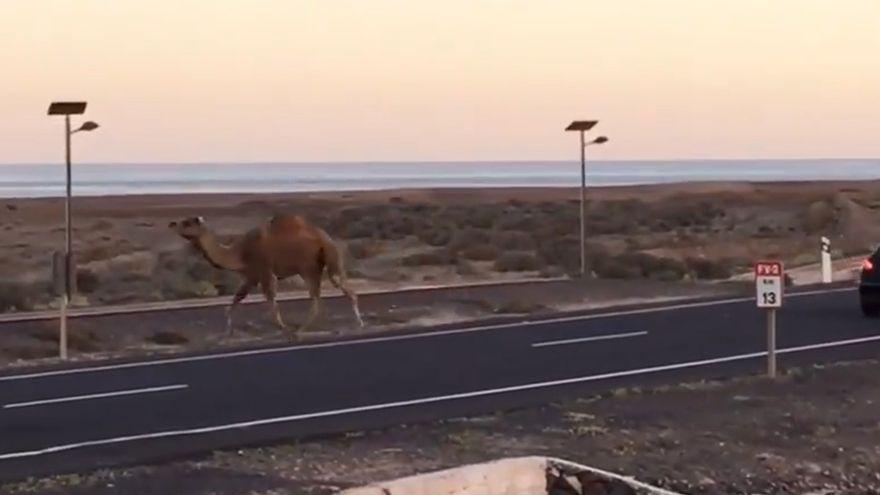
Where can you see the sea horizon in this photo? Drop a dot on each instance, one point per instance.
(105, 179)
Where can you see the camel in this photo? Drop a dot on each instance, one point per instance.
(284, 246)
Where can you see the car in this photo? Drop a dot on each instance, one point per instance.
(869, 285)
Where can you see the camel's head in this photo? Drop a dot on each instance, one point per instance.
(189, 228)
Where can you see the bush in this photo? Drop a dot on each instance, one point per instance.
(200, 269)
(435, 236)
(357, 229)
(87, 281)
(481, 217)
(616, 268)
(516, 221)
(16, 296)
(566, 253)
(518, 262)
(709, 269)
(181, 286)
(167, 338)
(465, 268)
(466, 238)
(514, 241)
(480, 252)
(519, 306)
(362, 249)
(432, 258)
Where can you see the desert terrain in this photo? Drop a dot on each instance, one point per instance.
(675, 233)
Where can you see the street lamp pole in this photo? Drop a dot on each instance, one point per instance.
(67, 109)
(583, 206)
(582, 126)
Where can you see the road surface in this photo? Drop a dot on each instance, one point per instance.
(141, 411)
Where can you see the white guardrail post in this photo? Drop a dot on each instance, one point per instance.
(826, 260)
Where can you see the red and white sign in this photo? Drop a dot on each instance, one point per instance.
(768, 282)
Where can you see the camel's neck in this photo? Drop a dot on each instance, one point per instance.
(217, 254)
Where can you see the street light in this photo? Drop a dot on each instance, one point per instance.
(583, 126)
(68, 108)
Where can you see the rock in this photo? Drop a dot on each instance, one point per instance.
(772, 461)
(705, 481)
(809, 468)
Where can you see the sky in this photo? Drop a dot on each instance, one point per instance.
(389, 80)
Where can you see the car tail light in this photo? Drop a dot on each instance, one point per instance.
(867, 265)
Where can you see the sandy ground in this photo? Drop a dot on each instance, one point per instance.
(706, 231)
(814, 430)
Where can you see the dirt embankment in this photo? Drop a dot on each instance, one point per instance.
(814, 430)
(669, 232)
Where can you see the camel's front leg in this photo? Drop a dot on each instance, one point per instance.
(269, 284)
(242, 292)
(315, 295)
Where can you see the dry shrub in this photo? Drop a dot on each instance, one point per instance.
(362, 249)
(87, 281)
(357, 229)
(518, 262)
(106, 251)
(514, 241)
(467, 238)
(16, 296)
(435, 236)
(565, 252)
(640, 265)
(78, 340)
(480, 252)
(519, 306)
(101, 225)
(481, 217)
(437, 257)
(518, 221)
(465, 268)
(167, 338)
(710, 269)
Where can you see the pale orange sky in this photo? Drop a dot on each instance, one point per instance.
(327, 80)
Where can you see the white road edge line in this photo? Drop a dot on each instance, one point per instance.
(374, 340)
(425, 400)
(78, 398)
(589, 339)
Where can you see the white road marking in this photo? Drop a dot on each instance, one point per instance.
(374, 340)
(425, 400)
(78, 398)
(589, 339)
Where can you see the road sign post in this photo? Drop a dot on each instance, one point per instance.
(769, 284)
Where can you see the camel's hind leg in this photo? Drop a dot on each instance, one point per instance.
(342, 285)
(242, 292)
(269, 284)
(315, 294)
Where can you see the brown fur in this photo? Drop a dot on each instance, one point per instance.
(285, 246)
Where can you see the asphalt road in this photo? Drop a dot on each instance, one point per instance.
(132, 412)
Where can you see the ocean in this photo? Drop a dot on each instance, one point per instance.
(47, 180)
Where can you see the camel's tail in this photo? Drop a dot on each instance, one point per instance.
(330, 258)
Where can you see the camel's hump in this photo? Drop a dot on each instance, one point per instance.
(287, 222)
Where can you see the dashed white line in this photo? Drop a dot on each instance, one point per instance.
(77, 398)
(595, 338)
(425, 400)
(374, 340)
